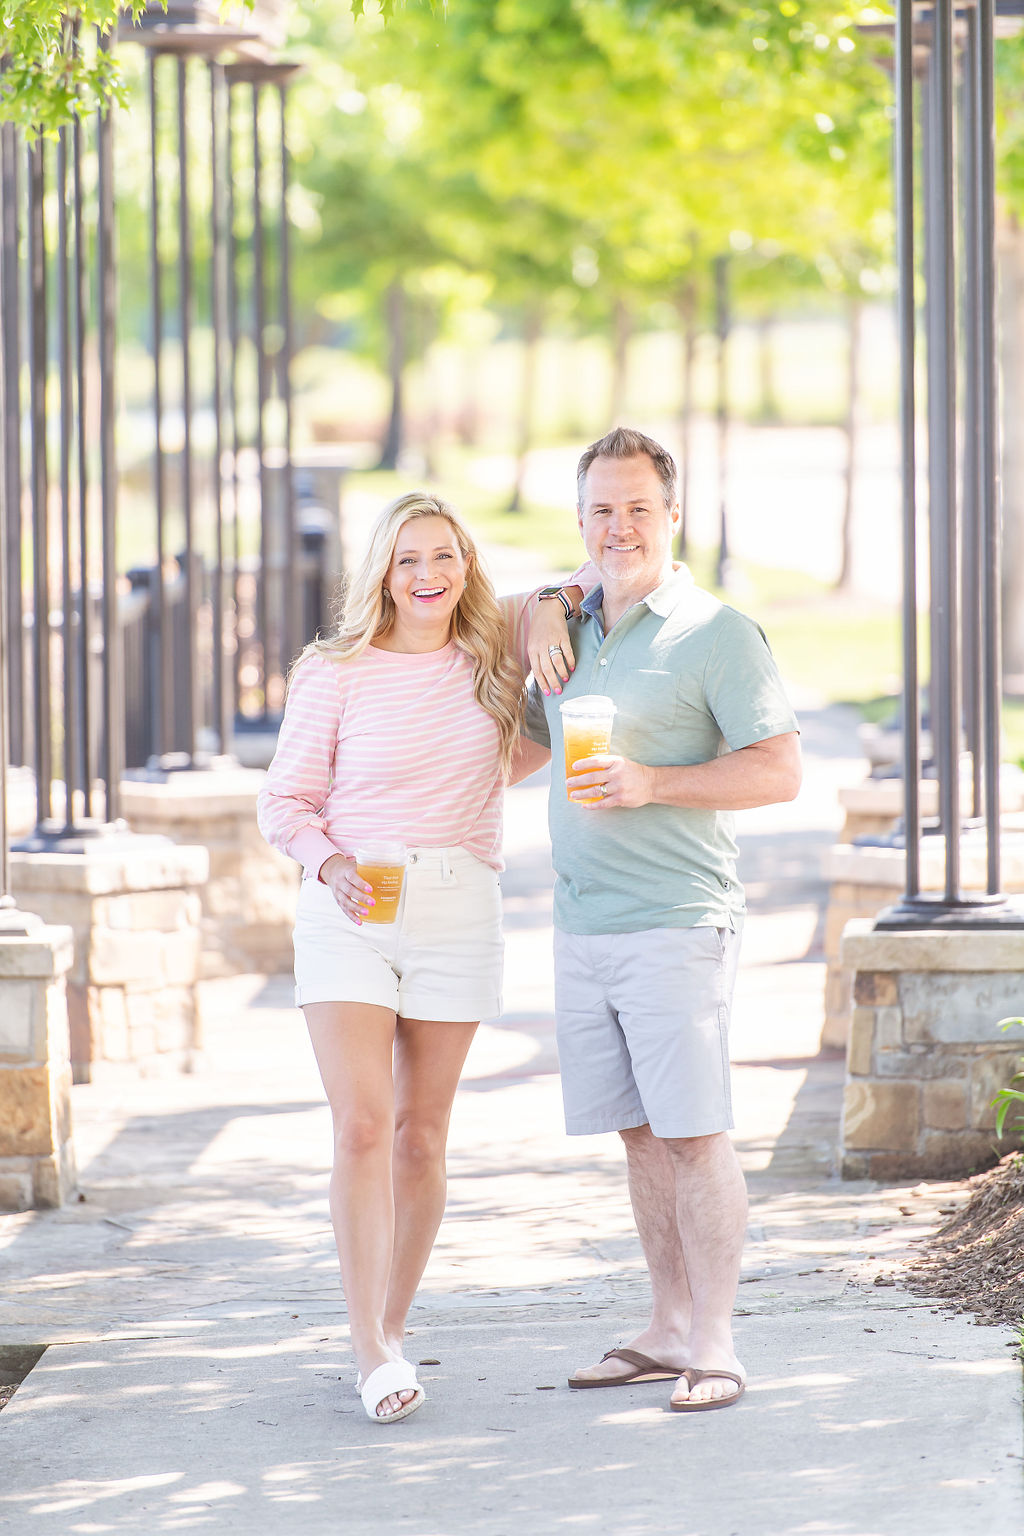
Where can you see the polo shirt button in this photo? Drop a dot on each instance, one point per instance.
(603, 662)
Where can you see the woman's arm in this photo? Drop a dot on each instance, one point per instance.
(299, 779)
(536, 624)
(527, 757)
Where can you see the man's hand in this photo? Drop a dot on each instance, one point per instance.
(615, 781)
(548, 647)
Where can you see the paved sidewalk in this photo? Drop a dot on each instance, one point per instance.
(197, 1376)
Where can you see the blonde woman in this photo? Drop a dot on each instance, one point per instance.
(403, 725)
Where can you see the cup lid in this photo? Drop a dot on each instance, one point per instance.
(588, 704)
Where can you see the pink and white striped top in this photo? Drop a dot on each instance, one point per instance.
(390, 745)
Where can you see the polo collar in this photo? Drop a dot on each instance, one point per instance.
(663, 601)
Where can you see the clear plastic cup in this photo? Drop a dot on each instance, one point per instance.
(586, 732)
(382, 864)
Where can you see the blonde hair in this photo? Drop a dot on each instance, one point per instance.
(367, 611)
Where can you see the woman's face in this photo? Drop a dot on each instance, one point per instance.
(427, 575)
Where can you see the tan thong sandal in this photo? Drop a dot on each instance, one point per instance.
(693, 1376)
(645, 1369)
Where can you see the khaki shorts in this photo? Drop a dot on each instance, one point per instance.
(643, 1029)
(441, 958)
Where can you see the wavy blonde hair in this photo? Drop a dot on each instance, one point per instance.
(367, 611)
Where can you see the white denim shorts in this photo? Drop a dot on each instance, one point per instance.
(441, 958)
(643, 1029)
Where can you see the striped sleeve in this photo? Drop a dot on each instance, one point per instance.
(517, 610)
(291, 802)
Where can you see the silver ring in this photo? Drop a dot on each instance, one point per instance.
(602, 790)
(554, 650)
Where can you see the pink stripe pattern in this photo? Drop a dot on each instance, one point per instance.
(389, 745)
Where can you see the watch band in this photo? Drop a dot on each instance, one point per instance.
(563, 598)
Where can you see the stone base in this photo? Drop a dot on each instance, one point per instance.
(248, 902)
(925, 1056)
(134, 910)
(37, 1162)
(864, 880)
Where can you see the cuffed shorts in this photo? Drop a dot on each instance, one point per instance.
(440, 959)
(643, 1029)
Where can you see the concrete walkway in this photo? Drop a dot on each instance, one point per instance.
(197, 1376)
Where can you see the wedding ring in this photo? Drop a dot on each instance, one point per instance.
(554, 650)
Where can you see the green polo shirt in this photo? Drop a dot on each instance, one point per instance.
(691, 679)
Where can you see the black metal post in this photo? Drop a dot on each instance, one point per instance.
(38, 365)
(946, 697)
(221, 703)
(10, 312)
(189, 681)
(970, 551)
(113, 693)
(721, 266)
(163, 716)
(232, 317)
(906, 322)
(89, 767)
(259, 325)
(988, 433)
(67, 406)
(291, 607)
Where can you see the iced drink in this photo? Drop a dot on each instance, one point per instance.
(586, 732)
(383, 865)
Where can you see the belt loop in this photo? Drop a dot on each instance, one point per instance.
(446, 866)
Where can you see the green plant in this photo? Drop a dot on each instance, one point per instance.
(1009, 1096)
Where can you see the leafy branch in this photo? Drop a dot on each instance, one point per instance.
(1007, 1097)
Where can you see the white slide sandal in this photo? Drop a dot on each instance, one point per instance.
(392, 1376)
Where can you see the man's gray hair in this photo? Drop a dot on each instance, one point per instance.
(625, 443)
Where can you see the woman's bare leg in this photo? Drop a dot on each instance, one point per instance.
(353, 1045)
(429, 1057)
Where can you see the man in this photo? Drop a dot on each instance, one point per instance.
(647, 907)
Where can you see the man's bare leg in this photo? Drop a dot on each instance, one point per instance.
(712, 1222)
(652, 1191)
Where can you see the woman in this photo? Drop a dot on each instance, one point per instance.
(404, 725)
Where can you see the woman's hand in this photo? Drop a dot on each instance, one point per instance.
(548, 646)
(352, 893)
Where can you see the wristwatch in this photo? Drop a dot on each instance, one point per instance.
(563, 598)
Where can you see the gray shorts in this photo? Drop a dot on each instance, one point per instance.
(643, 1029)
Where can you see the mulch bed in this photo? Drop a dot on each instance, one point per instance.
(975, 1261)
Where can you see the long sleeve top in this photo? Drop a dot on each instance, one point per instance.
(390, 745)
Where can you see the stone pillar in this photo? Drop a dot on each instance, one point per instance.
(248, 902)
(862, 879)
(133, 907)
(925, 1056)
(37, 1162)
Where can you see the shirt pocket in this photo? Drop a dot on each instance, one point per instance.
(651, 701)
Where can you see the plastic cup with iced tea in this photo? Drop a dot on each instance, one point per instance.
(382, 864)
(586, 732)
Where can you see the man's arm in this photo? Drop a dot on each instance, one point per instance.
(764, 773)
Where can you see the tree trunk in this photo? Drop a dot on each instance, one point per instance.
(686, 304)
(854, 315)
(766, 370)
(432, 424)
(395, 309)
(1011, 288)
(531, 336)
(469, 410)
(622, 330)
(722, 326)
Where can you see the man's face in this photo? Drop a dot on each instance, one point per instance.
(627, 528)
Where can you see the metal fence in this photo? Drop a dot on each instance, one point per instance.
(107, 664)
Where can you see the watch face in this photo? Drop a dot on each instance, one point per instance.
(549, 591)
